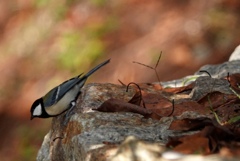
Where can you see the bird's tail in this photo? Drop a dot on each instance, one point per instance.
(96, 68)
(83, 79)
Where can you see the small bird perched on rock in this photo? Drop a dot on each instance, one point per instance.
(62, 97)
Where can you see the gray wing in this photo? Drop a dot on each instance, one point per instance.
(57, 93)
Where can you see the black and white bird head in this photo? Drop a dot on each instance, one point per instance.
(37, 109)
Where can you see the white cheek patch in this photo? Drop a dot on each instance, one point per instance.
(38, 110)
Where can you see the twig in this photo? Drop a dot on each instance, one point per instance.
(204, 71)
(155, 68)
(59, 137)
(139, 90)
(173, 107)
(121, 82)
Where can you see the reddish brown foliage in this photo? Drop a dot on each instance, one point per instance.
(153, 102)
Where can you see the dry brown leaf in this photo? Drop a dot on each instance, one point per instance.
(209, 140)
(136, 99)
(189, 124)
(193, 144)
(234, 81)
(216, 99)
(115, 105)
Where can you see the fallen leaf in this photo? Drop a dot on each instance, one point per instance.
(216, 99)
(193, 144)
(180, 108)
(136, 99)
(210, 139)
(189, 124)
(115, 105)
(155, 101)
(234, 80)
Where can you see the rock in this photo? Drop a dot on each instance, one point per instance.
(236, 54)
(134, 149)
(92, 135)
(44, 153)
(95, 135)
(93, 132)
(221, 70)
(205, 85)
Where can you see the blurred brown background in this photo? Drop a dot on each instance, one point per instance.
(44, 42)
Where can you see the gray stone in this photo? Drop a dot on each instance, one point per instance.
(44, 152)
(205, 85)
(236, 54)
(91, 135)
(221, 70)
(87, 130)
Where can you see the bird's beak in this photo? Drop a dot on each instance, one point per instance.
(32, 117)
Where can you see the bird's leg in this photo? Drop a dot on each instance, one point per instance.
(69, 112)
(72, 105)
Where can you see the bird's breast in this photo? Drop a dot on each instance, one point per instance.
(64, 103)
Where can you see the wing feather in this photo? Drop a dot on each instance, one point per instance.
(55, 94)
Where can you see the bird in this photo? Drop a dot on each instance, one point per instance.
(62, 97)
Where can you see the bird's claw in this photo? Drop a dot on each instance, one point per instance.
(69, 112)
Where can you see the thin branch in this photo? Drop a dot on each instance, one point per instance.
(173, 107)
(143, 65)
(204, 71)
(158, 60)
(59, 137)
(121, 82)
(139, 90)
(155, 68)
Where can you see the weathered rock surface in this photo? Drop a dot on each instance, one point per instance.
(91, 135)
